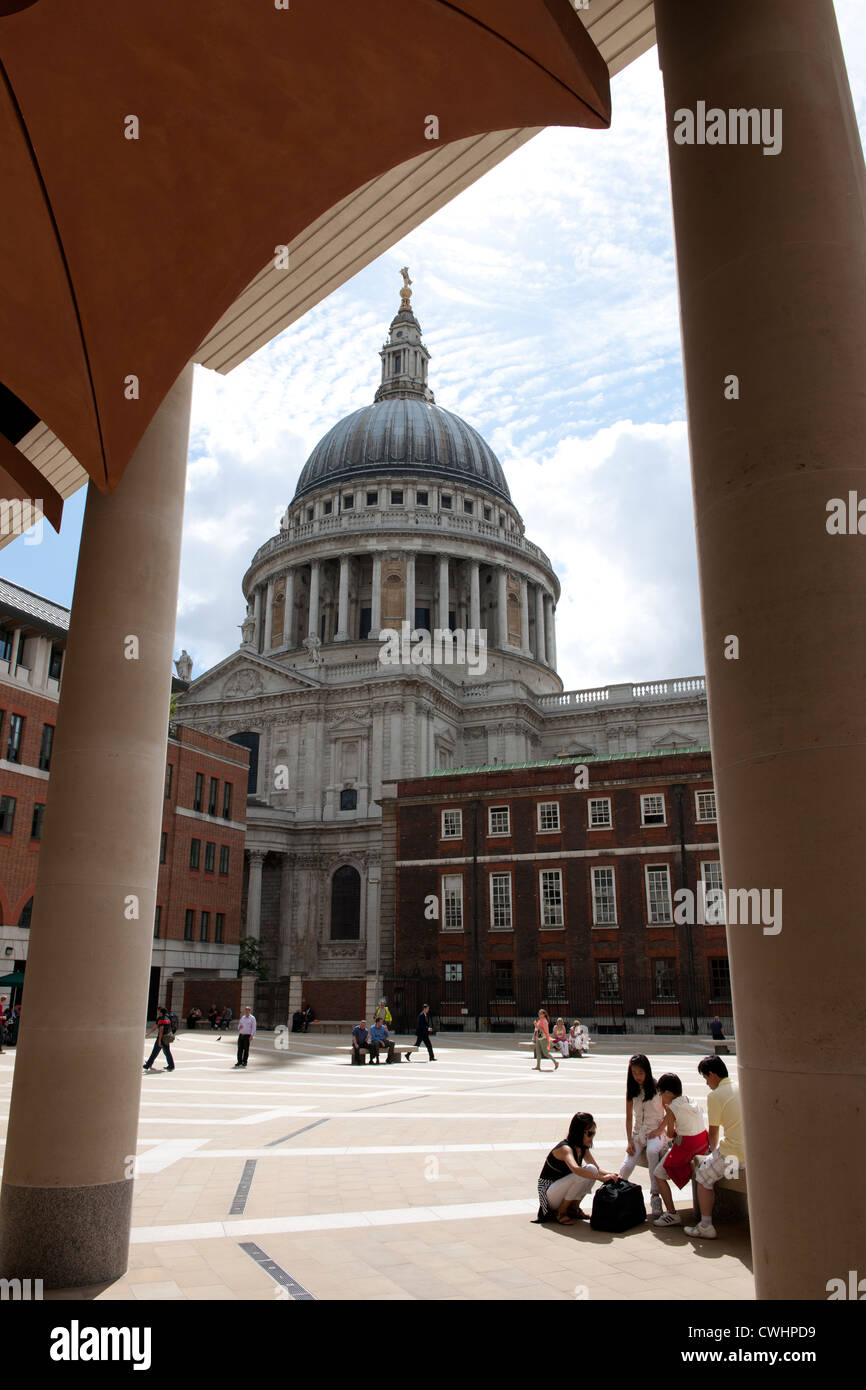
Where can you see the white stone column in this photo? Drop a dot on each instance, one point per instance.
(410, 591)
(501, 609)
(376, 601)
(257, 614)
(443, 606)
(474, 596)
(525, 648)
(431, 742)
(374, 877)
(67, 1191)
(540, 648)
(269, 616)
(549, 634)
(313, 623)
(254, 893)
(284, 954)
(289, 610)
(342, 633)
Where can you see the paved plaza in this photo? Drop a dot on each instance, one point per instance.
(303, 1176)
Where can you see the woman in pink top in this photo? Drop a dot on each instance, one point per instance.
(542, 1041)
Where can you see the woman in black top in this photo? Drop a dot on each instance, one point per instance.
(569, 1172)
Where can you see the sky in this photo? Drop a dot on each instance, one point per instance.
(547, 297)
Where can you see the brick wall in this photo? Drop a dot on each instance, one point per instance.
(202, 993)
(335, 999)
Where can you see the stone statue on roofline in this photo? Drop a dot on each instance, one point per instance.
(183, 666)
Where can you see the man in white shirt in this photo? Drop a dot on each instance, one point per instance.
(246, 1031)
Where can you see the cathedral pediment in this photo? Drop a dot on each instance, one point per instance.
(245, 676)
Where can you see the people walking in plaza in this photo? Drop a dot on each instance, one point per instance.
(422, 1033)
(570, 1171)
(560, 1037)
(164, 1039)
(685, 1126)
(379, 1038)
(541, 1040)
(726, 1155)
(246, 1032)
(645, 1126)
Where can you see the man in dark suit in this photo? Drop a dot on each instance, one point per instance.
(422, 1033)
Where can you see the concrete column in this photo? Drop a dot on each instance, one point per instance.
(410, 591)
(269, 616)
(257, 614)
(540, 648)
(771, 258)
(444, 597)
(501, 609)
(289, 610)
(254, 893)
(549, 634)
(431, 743)
(474, 596)
(376, 616)
(524, 617)
(342, 633)
(313, 623)
(67, 1180)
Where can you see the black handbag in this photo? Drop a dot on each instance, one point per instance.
(617, 1206)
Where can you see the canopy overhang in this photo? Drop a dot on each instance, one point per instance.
(154, 157)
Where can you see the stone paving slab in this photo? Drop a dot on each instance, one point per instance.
(403, 1183)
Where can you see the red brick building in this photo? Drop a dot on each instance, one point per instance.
(511, 888)
(198, 913)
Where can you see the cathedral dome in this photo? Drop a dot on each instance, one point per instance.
(403, 431)
(403, 435)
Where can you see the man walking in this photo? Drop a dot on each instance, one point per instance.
(164, 1039)
(726, 1155)
(422, 1033)
(246, 1031)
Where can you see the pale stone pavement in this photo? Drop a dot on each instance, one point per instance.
(415, 1181)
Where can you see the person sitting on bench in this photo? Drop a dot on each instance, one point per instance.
(716, 1030)
(360, 1042)
(725, 1157)
(379, 1038)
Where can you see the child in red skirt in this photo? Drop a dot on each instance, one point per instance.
(686, 1126)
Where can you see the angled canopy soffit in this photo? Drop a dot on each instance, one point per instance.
(119, 254)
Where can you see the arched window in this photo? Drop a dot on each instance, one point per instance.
(26, 913)
(346, 904)
(250, 741)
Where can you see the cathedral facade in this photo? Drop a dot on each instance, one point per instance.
(401, 528)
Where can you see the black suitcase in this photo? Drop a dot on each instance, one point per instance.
(617, 1206)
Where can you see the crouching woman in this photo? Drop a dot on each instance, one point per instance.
(569, 1173)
